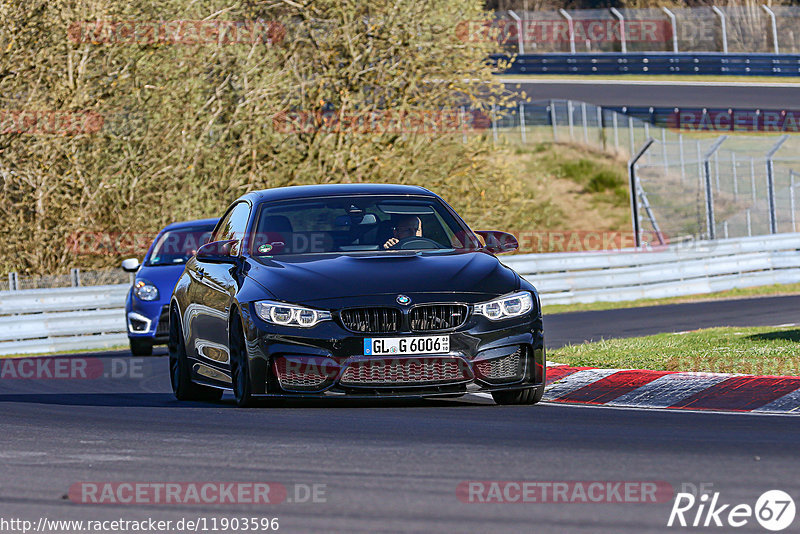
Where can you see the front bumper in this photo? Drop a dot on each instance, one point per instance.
(328, 360)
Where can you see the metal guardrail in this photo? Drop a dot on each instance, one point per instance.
(58, 319)
(710, 63)
(677, 270)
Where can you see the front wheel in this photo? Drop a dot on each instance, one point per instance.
(240, 368)
(519, 396)
(179, 370)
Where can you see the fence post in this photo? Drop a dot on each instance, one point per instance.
(614, 115)
(75, 277)
(773, 217)
(630, 134)
(735, 177)
(672, 20)
(494, 124)
(753, 179)
(774, 28)
(522, 123)
(463, 124)
(683, 161)
(570, 29)
(633, 185)
(13, 281)
(585, 124)
(710, 222)
(791, 199)
(725, 229)
(553, 119)
(601, 126)
(622, 39)
(520, 44)
(664, 149)
(716, 170)
(722, 21)
(749, 224)
(569, 118)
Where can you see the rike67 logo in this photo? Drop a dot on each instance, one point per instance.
(774, 510)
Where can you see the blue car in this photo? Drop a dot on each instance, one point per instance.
(147, 305)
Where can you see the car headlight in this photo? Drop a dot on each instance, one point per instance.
(506, 307)
(290, 315)
(145, 290)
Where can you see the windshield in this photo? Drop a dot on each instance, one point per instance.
(177, 246)
(358, 224)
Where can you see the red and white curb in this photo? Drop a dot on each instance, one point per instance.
(637, 388)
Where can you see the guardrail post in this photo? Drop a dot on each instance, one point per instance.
(75, 277)
(622, 39)
(674, 23)
(570, 29)
(710, 222)
(554, 121)
(13, 282)
(637, 235)
(773, 219)
(521, 46)
(724, 24)
(774, 26)
(522, 123)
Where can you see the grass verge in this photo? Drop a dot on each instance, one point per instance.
(758, 351)
(761, 291)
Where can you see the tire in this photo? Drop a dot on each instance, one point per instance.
(179, 371)
(141, 346)
(240, 368)
(519, 396)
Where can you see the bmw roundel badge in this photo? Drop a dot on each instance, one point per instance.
(402, 299)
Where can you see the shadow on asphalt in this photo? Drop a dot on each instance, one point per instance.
(166, 400)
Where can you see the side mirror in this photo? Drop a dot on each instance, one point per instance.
(498, 242)
(131, 265)
(219, 251)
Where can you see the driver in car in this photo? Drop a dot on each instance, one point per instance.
(406, 226)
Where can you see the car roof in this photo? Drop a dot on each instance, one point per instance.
(184, 224)
(310, 191)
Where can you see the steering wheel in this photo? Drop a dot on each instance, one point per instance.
(408, 243)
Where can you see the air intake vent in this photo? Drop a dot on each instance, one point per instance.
(372, 320)
(436, 317)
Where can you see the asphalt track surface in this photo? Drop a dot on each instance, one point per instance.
(665, 94)
(391, 466)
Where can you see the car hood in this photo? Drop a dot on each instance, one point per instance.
(163, 276)
(314, 278)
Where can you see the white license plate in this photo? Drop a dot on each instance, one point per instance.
(382, 346)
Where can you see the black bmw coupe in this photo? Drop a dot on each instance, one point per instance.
(356, 290)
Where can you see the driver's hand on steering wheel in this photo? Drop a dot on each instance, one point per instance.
(392, 241)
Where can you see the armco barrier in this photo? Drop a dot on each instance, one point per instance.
(67, 318)
(712, 63)
(686, 269)
(74, 318)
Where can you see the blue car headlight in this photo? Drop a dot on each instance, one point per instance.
(505, 307)
(145, 290)
(284, 314)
